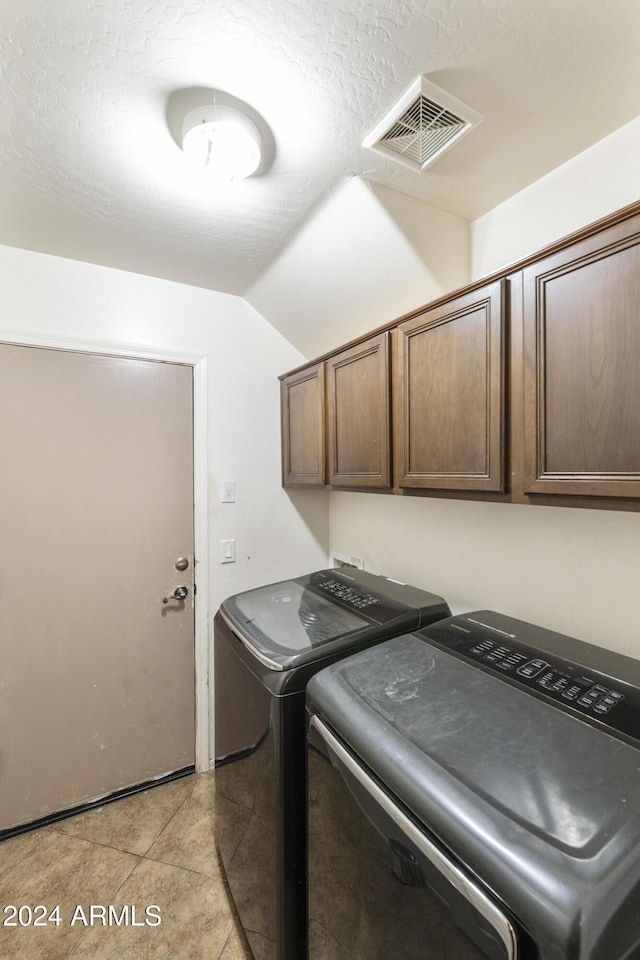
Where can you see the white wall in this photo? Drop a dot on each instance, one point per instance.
(368, 255)
(592, 185)
(277, 535)
(572, 570)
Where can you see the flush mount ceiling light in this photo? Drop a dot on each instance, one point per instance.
(222, 140)
(424, 123)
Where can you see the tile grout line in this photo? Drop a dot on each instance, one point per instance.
(128, 877)
(219, 881)
(171, 818)
(112, 846)
(23, 857)
(177, 866)
(101, 843)
(145, 855)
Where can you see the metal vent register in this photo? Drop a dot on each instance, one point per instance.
(424, 123)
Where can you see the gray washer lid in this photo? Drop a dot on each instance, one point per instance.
(320, 614)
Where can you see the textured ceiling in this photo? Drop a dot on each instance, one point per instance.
(93, 91)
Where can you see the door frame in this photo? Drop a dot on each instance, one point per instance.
(198, 363)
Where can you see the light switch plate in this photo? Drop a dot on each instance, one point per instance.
(227, 551)
(228, 491)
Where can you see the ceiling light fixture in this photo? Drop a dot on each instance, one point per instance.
(223, 141)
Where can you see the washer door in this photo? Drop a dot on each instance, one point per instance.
(378, 886)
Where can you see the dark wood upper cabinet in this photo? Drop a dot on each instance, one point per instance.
(302, 396)
(449, 386)
(358, 423)
(560, 417)
(582, 367)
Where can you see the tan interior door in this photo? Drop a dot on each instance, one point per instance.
(97, 685)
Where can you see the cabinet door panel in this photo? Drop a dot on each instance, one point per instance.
(450, 395)
(358, 388)
(303, 435)
(582, 352)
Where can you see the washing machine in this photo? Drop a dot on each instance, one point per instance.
(473, 793)
(268, 642)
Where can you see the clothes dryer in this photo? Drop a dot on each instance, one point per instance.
(474, 791)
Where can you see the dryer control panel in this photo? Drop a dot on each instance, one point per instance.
(550, 668)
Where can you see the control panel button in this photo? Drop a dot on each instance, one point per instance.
(600, 700)
(586, 701)
(570, 685)
(348, 594)
(481, 648)
(511, 662)
(532, 668)
(602, 707)
(546, 679)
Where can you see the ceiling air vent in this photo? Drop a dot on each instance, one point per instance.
(424, 123)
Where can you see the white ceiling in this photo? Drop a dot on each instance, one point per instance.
(93, 92)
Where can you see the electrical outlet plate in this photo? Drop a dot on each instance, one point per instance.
(340, 560)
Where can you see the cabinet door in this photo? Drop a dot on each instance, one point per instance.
(303, 434)
(449, 411)
(358, 389)
(582, 367)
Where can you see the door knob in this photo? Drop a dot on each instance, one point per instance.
(179, 593)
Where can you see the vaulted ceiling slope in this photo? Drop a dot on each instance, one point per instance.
(92, 93)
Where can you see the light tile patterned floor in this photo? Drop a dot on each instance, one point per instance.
(154, 848)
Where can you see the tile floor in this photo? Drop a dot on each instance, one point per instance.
(154, 848)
